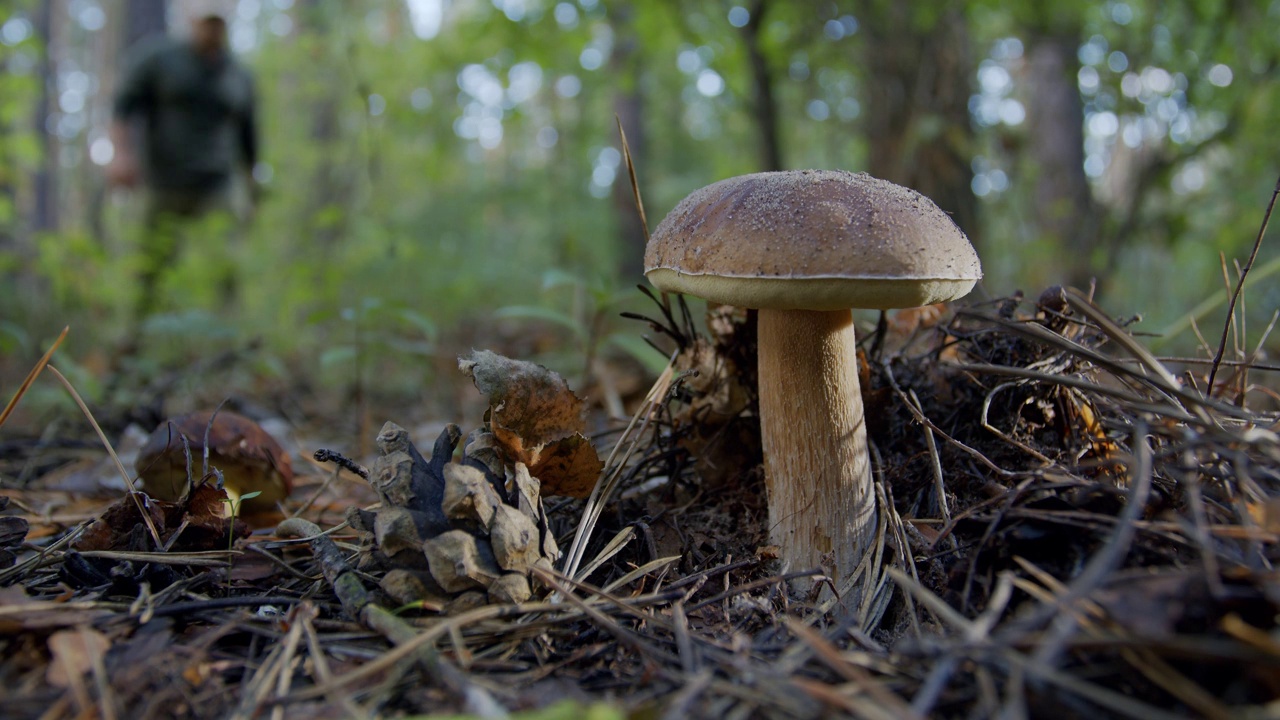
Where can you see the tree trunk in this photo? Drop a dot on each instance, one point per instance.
(329, 189)
(763, 104)
(143, 19)
(45, 194)
(1064, 208)
(628, 104)
(918, 87)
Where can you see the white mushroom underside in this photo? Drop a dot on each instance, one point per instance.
(815, 444)
(822, 293)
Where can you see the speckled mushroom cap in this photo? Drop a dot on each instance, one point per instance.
(811, 240)
(249, 458)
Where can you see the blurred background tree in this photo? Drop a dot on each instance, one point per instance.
(440, 159)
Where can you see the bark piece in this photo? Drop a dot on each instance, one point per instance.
(391, 475)
(468, 495)
(406, 586)
(482, 447)
(509, 589)
(459, 561)
(515, 540)
(395, 530)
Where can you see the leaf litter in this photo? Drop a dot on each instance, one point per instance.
(1070, 529)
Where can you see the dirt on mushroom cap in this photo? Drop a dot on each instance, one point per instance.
(831, 229)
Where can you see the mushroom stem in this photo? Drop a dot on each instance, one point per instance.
(815, 441)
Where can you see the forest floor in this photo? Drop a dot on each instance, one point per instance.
(1069, 527)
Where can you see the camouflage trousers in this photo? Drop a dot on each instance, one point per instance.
(171, 218)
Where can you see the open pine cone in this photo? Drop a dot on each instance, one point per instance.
(460, 534)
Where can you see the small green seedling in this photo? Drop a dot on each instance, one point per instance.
(233, 501)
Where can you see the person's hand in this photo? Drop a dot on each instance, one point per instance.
(123, 171)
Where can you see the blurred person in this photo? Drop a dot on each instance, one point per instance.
(195, 107)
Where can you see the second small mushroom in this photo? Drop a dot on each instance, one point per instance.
(804, 247)
(249, 459)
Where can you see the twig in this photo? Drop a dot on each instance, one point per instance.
(31, 376)
(322, 672)
(359, 604)
(1235, 296)
(128, 479)
(1105, 561)
(631, 171)
(831, 657)
(326, 456)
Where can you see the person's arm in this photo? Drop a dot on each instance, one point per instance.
(132, 100)
(123, 170)
(249, 130)
(248, 136)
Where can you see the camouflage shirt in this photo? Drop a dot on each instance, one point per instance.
(198, 116)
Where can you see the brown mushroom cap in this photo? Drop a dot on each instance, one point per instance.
(811, 240)
(248, 457)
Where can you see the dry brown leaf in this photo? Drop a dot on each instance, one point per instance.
(568, 467)
(75, 652)
(537, 420)
(525, 398)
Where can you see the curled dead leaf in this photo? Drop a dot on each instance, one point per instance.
(536, 420)
(75, 653)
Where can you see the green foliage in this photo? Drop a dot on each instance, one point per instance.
(390, 216)
(563, 710)
(587, 314)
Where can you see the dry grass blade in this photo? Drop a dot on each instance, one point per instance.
(649, 567)
(1164, 409)
(631, 172)
(629, 638)
(1104, 697)
(128, 479)
(1109, 699)
(885, 700)
(831, 696)
(323, 674)
(1235, 295)
(920, 417)
(613, 547)
(1106, 561)
(613, 467)
(213, 558)
(1085, 307)
(31, 376)
(1092, 617)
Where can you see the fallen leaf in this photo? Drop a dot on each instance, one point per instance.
(75, 652)
(537, 420)
(568, 467)
(526, 398)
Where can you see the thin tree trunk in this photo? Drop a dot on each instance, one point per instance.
(917, 110)
(45, 191)
(763, 104)
(144, 19)
(328, 188)
(628, 104)
(1065, 210)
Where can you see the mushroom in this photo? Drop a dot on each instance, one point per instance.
(804, 247)
(249, 459)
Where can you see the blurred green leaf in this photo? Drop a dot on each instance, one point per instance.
(635, 346)
(546, 314)
(337, 355)
(563, 710)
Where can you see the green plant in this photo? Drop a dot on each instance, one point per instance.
(588, 310)
(233, 501)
